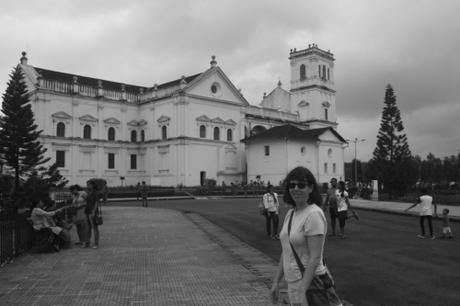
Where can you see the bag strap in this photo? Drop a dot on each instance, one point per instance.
(297, 259)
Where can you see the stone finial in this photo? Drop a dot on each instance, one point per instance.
(75, 79)
(123, 87)
(123, 92)
(279, 83)
(75, 88)
(183, 82)
(213, 61)
(309, 46)
(99, 84)
(265, 95)
(155, 87)
(23, 58)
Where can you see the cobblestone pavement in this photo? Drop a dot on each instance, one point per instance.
(146, 257)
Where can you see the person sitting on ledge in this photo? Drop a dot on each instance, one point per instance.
(50, 235)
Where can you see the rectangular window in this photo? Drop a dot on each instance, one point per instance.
(60, 159)
(267, 150)
(111, 160)
(325, 167)
(133, 161)
(334, 168)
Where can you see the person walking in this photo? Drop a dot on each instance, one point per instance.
(144, 194)
(90, 211)
(331, 203)
(302, 239)
(426, 212)
(80, 219)
(271, 204)
(343, 206)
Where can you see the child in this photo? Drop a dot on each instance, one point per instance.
(446, 230)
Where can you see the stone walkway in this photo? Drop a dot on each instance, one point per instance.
(146, 257)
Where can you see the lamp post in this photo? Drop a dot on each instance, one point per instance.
(356, 140)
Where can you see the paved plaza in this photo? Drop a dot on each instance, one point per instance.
(146, 257)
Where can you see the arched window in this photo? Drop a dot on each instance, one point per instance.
(302, 72)
(229, 135)
(142, 135)
(216, 133)
(326, 114)
(133, 136)
(324, 71)
(202, 131)
(87, 132)
(60, 129)
(164, 132)
(319, 71)
(111, 133)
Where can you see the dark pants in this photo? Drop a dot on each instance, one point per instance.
(333, 215)
(272, 218)
(430, 224)
(342, 218)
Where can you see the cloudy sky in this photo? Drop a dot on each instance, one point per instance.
(413, 45)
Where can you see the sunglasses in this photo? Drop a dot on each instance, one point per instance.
(301, 185)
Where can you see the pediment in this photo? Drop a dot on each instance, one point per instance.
(230, 122)
(133, 123)
(214, 84)
(142, 122)
(203, 118)
(88, 118)
(61, 115)
(303, 103)
(218, 120)
(112, 120)
(163, 118)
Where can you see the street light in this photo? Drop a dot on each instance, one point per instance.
(356, 140)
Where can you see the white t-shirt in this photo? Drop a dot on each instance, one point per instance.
(307, 222)
(426, 204)
(341, 200)
(271, 202)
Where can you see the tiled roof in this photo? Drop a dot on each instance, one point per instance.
(93, 82)
(177, 82)
(291, 132)
(83, 80)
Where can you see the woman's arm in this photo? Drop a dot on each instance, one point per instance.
(315, 245)
(274, 291)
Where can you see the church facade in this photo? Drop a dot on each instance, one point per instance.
(182, 132)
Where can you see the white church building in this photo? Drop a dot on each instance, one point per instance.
(188, 130)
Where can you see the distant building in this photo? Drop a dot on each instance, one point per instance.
(185, 131)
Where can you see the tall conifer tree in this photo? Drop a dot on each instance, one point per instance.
(392, 163)
(19, 145)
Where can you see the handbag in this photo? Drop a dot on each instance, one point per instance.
(322, 287)
(98, 216)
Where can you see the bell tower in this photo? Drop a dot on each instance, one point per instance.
(312, 86)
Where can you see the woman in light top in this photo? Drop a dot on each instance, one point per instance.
(80, 220)
(302, 240)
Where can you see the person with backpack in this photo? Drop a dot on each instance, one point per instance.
(271, 204)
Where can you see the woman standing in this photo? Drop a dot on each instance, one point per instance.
(90, 211)
(302, 240)
(80, 219)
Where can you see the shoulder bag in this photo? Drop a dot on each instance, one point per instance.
(322, 288)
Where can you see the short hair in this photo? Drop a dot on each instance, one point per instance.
(304, 175)
(75, 187)
(445, 210)
(92, 183)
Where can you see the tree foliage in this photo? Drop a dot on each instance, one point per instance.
(392, 163)
(19, 145)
